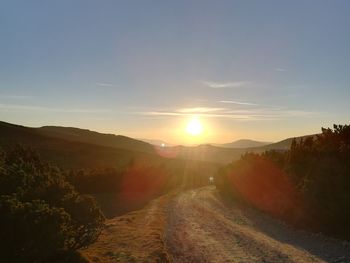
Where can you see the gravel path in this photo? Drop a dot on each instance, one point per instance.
(200, 228)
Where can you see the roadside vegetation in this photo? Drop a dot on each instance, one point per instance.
(308, 185)
(49, 213)
(43, 218)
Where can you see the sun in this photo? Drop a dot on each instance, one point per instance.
(194, 127)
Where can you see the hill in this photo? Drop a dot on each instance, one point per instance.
(134, 171)
(73, 147)
(285, 144)
(225, 155)
(68, 153)
(92, 137)
(243, 143)
(80, 147)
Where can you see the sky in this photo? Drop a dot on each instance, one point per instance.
(263, 70)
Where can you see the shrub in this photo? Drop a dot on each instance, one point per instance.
(41, 213)
(317, 168)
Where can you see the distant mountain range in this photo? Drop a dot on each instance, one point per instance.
(157, 142)
(243, 143)
(73, 147)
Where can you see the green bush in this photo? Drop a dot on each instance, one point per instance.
(317, 168)
(41, 213)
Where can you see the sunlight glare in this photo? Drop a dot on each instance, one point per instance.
(194, 127)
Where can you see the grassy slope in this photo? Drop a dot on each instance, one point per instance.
(134, 237)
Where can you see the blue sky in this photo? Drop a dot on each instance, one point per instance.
(263, 70)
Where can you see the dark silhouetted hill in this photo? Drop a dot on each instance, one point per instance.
(284, 144)
(243, 143)
(224, 155)
(60, 148)
(77, 148)
(92, 137)
(80, 147)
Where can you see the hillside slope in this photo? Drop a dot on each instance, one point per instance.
(225, 155)
(135, 237)
(67, 153)
(92, 137)
(243, 143)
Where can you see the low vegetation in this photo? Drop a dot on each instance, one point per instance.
(48, 213)
(307, 185)
(42, 216)
(130, 187)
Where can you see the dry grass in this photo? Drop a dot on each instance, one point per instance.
(134, 237)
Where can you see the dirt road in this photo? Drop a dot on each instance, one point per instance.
(200, 228)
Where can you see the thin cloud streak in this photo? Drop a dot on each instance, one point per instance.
(165, 113)
(104, 84)
(15, 97)
(15, 107)
(239, 102)
(220, 85)
(256, 114)
(199, 110)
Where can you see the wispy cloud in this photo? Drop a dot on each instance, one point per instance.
(199, 110)
(280, 69)
(236, 114)
(104, 84)
(15, 97)
(218, 115)
(231, 84)
(239, 102)
(16, 107)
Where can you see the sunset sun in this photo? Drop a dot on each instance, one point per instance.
(194, 127)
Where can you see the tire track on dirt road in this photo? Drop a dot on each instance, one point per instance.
(201, 228)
